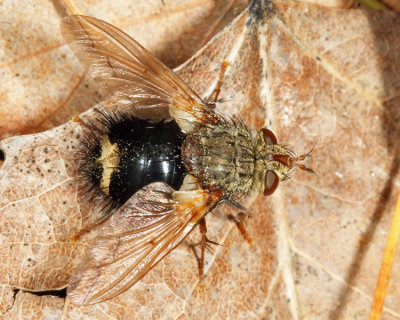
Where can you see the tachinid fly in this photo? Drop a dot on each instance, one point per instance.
(168, 154)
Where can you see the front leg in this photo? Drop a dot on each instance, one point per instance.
(240, 218)
(239, 221)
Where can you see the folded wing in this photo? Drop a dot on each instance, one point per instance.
(132, 76)
(135, 238)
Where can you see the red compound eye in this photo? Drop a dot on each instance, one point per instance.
(269, 137)
(271, 182)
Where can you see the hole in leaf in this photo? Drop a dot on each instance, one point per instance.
(2, 157)
(62, 293)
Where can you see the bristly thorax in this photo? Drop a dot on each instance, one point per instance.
(222, 157)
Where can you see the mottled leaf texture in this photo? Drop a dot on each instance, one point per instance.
(311, 75)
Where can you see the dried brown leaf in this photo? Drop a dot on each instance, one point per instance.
(309, 73)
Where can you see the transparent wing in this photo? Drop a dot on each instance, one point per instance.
(131, 75)
(134, 239)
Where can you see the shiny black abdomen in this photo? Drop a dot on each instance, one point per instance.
(149, 152)
(130, 154)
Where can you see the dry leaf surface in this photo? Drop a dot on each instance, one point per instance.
(310, 74)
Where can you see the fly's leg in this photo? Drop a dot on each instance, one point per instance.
(239, 220)
(212, 102)
(224, 65)
(204, 245)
